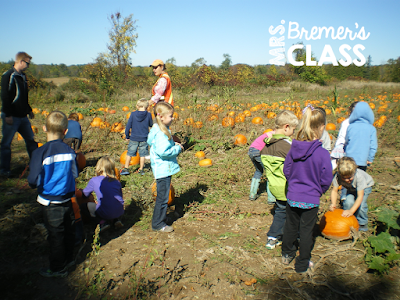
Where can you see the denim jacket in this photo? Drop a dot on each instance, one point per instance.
(163, 153)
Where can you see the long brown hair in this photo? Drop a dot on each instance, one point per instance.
(162, 108)
(106, 167)
(312, 120)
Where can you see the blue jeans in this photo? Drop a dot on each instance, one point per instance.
(160, 208)
(271, 197)
(255, 157)
(278, 223)
(21, 125)
(362, 212)
(134, 146)
(60, 223)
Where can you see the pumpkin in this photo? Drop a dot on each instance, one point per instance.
(271, 115)
(340, 120)
(240, 140)
(328, 111)
(20, 138)
(116, 127)
(96, 122)
(205, 162)
(336, 227)
(171, 193)
(330, 126)
(231, 113)
(117, 174)
(134, 159)
(35, 129)
(247, 113)
(398, 118)
(80, 158)
(240, 118)
(257, 120)
(188, 122)
(212, 117)
(104, 125)
(267, 130)
(39, 145)
(125, 108)
(200, 154)
(198, 124)
(129, 114)
(228, 122)
(112, 111)
(80, 116)
(82, 200)
(175, 116)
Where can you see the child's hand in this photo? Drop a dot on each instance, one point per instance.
(180, 145)
(332, 207)
(347, 213)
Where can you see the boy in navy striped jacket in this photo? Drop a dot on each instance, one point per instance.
(53, 169)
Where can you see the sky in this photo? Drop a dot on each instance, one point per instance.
(75, 32)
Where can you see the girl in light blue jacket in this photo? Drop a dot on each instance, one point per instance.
(163, 153)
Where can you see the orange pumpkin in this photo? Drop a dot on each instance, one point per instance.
(96, 122)
(228, 122)
(200, 154)
(257, 120)
(20, 138)
(35, 129)
(134, 159)
(198, 124)
(340, 120)
(240, 140)
(372, 105)
(271, 115)
(336, 227)
(205, 162)
(231, 113)
(80, 116)
(171, 193)
(112, 111)
(247, 113)
(80, 158)
(330, 126)
(212, 117)
(267, 130)
(117, 174)
(39, 145)
(240, 118)
(188, 122)
(116, 127)
(82, 200)
(125, 108)
(175, 116)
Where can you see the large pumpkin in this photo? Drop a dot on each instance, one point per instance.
(96, 122)
(257, 120)
(134, 159)
(80, 158)
(330, 126)
(171, 193)
(336, 227)
(240, 140)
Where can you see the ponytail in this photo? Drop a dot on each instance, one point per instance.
(160, 109)
(312, 120)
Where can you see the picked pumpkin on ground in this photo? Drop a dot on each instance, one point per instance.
(134, 159)
(205, 162)
(240, 140)
(334, 226)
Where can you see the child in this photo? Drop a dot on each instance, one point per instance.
(136, 132)
(273, 156)
(325, 139)
(338, 151)
(361, 142)
(358, 186)
(308, 171)
(254, 154)
(73, 138)
(53, 169)
(110, 204)
(163, 153)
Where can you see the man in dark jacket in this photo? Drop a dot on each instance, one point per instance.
(14, 97)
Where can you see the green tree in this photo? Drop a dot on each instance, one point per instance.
(122, 40)
(226, 63)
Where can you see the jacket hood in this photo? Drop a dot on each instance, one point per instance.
(140, 115)
(301, 150)
(152, 134)
(276, 138)
(363, 113)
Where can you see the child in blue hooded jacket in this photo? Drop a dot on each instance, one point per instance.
(163, 153)
(361, 142)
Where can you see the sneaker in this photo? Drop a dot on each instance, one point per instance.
(104, 227)
(166, 228)
(118, 224)
(363, 228)
(141, 172)
(271, 202)
(286, 259)
(69, 265)
(272, 243)
(253, 198)
(310, 268)
(49, 273)
(147, 157)
(124, 171)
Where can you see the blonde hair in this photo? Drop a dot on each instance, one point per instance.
(106, 167)
(22, 56)
(346, 167)
(143, 103)
(312, 120)
(57, 123)
(73, 116)
(286, 117)
(162, 108)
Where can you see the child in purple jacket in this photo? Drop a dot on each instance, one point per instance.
(308, 171)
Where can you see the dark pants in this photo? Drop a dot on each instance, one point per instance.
(74, 143)
(299, 221)
(160, 208)
(60, 223)
(278, 223)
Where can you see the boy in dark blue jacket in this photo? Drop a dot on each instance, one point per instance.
(136, 132)
(53, 169)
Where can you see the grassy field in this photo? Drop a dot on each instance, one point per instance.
(217, 250)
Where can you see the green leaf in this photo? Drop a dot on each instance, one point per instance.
(392, 257)
(382, 243)
(378, 263)
(389, 217)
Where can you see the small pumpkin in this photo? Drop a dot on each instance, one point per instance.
(112, 111)
(240, 140)
(247, 113)
(336, 227)
(188, 122)
(80, 158)
(96, 122)
(240, 118)
(205, 162)
(212, 117)
(171, 193)
(125, 108)
(257, 120)
(117, 174)
(19, 138)
(35, 129)
(80, 116)
(228, 122)
(267, 130)
(198, 124)
(330, 126)
(200, 154)
(134, 159)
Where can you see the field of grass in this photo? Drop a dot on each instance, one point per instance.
(218, 244)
